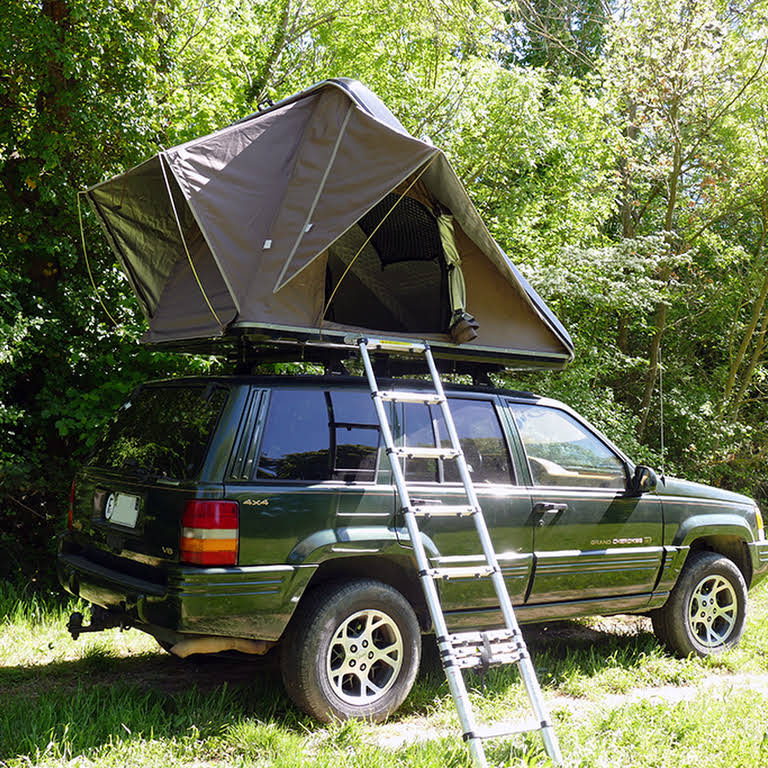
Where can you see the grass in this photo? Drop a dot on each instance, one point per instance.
(115, 699)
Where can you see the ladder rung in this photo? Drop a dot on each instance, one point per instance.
(442, 510)
(476, 638)
(499, 730)
(401, 396)
(417, 452)
(461, 572)
(394, 345)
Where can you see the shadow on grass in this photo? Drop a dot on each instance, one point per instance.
(564, 649)
(561, 651)
(75, 706)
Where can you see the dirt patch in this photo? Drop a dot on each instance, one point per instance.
(396, 735)
(586, 632)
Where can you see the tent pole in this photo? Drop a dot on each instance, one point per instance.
(184, 243)
(373, 232)
(320, 188)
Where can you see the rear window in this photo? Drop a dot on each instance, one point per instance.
(161, 432)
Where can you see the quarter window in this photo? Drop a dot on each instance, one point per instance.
(313, 436)
(562, 452)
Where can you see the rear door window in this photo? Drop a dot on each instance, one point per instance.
(316, 435)
(480, 436)
(161, 432)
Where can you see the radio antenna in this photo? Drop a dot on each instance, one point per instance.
(661, 412)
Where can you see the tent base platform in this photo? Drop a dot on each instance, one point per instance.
(253, 345)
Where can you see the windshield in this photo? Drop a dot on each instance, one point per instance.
(161, 431)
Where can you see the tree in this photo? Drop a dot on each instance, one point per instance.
(677, 73)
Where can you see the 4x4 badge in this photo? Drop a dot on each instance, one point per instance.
(256, 502)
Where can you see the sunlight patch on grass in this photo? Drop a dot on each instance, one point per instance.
(75, 706)
(33, 632)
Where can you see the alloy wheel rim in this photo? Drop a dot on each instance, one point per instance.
(712, 611)
(364, 657)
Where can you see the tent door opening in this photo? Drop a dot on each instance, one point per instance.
(399, 280)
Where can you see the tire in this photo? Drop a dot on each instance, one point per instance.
(707, 608)
(352, 650)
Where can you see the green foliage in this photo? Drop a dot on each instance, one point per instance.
(619, 157)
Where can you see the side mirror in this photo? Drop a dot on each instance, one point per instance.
(644, 480)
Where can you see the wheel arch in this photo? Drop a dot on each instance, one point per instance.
(728, 545)
(400, 573)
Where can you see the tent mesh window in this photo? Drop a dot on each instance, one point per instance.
(399, 281)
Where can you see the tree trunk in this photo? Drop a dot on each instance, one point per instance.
(653, 368)
(757, 352)
(757, 311)
(628, 223)
(673, 181)
(258, 87)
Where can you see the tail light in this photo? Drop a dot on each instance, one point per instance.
(209, 532)
(71, 513)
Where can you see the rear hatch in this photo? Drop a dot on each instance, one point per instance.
(152, 459)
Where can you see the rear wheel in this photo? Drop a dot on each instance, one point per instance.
(352, 650)
(707, 608)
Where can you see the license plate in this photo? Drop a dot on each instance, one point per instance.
(122, 509)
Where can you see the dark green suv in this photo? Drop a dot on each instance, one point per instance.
(244, 512)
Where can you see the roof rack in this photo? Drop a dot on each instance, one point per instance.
(245, 354)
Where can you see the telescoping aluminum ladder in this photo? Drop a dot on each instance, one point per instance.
(464, 650)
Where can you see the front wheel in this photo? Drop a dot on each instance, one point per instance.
(707, 608)
(352, 650)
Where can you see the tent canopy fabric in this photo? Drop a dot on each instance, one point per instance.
(319, 218)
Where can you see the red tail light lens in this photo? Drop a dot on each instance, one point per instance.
(71, 513)
(209, 532)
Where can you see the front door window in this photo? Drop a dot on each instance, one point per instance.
(452, 540)
(561, 452)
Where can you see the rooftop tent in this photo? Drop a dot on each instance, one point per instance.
(313, 220)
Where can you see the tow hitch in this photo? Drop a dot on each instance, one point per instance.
(101, 619)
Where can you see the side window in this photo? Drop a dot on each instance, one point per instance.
(563, 452)
(296, 442)
(354, 436)
(482, 442)
(421, 428)
(314, 435)
(480, 436)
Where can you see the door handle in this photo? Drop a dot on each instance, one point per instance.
(547, 512)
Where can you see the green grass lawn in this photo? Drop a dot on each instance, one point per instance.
(115, 699)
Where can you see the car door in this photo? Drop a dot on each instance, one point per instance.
(592, 537)
(306, 477)
(453, 541)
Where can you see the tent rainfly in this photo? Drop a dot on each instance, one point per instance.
(319, 218)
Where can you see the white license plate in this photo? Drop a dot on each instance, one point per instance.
(122, 509)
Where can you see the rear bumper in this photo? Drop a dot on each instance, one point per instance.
(255, 602)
